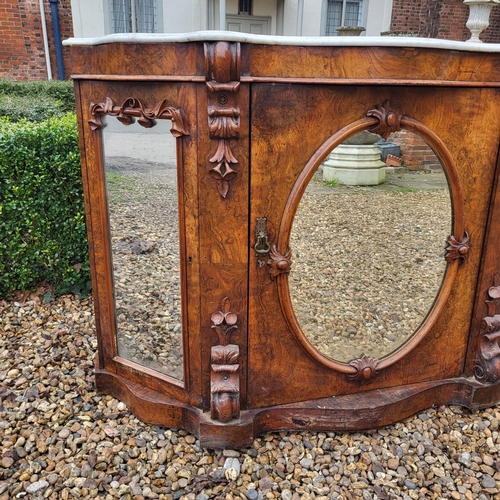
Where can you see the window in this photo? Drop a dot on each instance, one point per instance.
(245, 7)
(342, 13)
(134, 16)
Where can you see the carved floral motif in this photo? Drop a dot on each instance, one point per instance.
(389, 119)
(365, 368)
(133, 108)
(222, 72)
(487, 368)
(224, 124)
(493, 304)
(458, 249)
(224, 321)
(278, 262)
(224, 375)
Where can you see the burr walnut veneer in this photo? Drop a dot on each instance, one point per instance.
(254, 118)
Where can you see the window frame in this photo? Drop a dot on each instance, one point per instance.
(324, 15)
(158, 19)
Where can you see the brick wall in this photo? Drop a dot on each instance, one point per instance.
(417, 155)
(443, 19)
(22, 54)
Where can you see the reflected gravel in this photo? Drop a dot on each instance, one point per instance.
(367, 265)
(143, 212)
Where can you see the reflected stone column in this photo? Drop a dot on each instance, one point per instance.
(479, 17)
(356, 162)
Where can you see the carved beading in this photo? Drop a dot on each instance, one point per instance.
(133, 108)
(224, 376)
(389, 119)
(458, 249)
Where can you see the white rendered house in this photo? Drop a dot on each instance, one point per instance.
(93, 18)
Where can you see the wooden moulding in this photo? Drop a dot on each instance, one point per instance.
(366, 410)
(487, 367)
(382, 120)
(222, 73)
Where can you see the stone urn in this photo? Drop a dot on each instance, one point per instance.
(356, 162)
(350, 30)
(479, 16)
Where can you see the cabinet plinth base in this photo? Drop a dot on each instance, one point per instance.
(351, 412)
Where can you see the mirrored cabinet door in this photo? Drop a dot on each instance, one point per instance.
(360, 275)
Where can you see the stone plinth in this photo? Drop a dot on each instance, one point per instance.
(355, 165)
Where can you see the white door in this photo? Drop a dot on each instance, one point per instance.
(257, 25)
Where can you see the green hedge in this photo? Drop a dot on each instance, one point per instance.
(42, 226)
(35, 101)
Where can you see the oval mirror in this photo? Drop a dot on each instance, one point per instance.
(141, 181)
(368, 246)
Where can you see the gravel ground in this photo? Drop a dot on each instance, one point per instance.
(61, 440)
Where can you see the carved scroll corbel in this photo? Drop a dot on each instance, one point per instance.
(487, 368)
(222, 72)
(224, 376)
(133, 108)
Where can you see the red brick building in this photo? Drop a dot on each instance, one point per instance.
(22, 52)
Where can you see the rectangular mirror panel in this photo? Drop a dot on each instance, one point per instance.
(141, 180)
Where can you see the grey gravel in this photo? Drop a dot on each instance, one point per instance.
(367, 266)
(46, 376)
(62, 440)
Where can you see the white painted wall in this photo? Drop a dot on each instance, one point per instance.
(185, 15)
(312, 23)
(89, 18)
(290, 18)
(378, 17)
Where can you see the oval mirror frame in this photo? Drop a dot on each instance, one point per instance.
(381, 120)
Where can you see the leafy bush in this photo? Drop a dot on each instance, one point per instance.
(42, 224)
(35, 101)
(35, 109)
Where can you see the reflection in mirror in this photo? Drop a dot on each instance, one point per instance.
(368, 261)
(141, 179)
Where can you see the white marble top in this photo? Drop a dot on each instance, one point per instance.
(316, 41)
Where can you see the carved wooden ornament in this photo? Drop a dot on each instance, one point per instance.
(487, 367)
(134, 108)
(222, 73)
(389, 119)
(458, 249)
(365, 367)
(224, 375)
(278, 262)
(224, 124)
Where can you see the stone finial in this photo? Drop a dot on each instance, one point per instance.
(479, 16)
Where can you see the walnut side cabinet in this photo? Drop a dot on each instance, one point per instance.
(253, 118)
